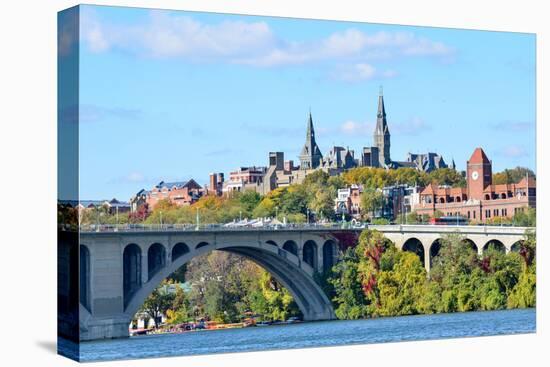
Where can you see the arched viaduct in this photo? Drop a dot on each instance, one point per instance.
(120, 268)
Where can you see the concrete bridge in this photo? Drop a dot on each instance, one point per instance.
(121, 266)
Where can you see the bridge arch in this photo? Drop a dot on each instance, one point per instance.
(516, 246)
(156, 259)
(469, 242)
(201, 244)
(496, 244)
(435, 247)
(272, 243)
(310, 254)
(131, 272)
(414, 245)
(330, 254)
(291, 247)
(179, 250)
(296, 277)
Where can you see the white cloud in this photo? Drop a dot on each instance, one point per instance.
(414, 126)
(513, 126)
(361, 72)
(165, 35)
(351, 127)
(513, 151)
(135, 177)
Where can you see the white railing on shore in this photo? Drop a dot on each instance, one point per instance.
(292, 226)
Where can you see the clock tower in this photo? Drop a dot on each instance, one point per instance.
(479, 174)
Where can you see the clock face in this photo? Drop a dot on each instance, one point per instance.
(475, 175)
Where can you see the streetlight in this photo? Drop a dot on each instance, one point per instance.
(307, 216)
(276, 212)
(160, 219)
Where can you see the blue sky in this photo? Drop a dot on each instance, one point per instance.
(168, 95)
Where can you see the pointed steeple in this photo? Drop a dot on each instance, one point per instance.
(311, 156)
(310, 133)
(381, 135)
(381, 122)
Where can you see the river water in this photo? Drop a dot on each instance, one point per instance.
(314, 334)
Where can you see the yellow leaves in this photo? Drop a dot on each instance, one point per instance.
(209, 202)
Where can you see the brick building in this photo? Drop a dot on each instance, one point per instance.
(480, 200)
(179, 193)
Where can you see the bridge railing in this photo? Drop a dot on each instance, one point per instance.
(206, 227)
(289, 226)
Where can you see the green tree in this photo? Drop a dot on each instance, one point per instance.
(158, 302)
(524, 293)
(514, 175)
(401, 283)
(323, 204)
(447, 176)
(371, 200)
(349, 300)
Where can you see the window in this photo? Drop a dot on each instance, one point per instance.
(468, 214)
(474, 214)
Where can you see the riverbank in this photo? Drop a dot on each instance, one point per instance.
(190, 327)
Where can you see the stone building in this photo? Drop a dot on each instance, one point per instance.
(310, 157)
(426, 162)
(339, 158)
(480, 200)
(381, 137)
(379, 154)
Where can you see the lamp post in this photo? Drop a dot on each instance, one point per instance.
(307, 216)
(160, 220)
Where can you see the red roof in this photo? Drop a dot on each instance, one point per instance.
(479, 156)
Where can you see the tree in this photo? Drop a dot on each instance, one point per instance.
(525, 218)
(447, 176)
(158, 302)
(392, 280)
(514, 175)
(524, 294)
(323, 204)
(179, 311)
(371, 200)
(401, 283)
(349, 300)
(273, 301)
